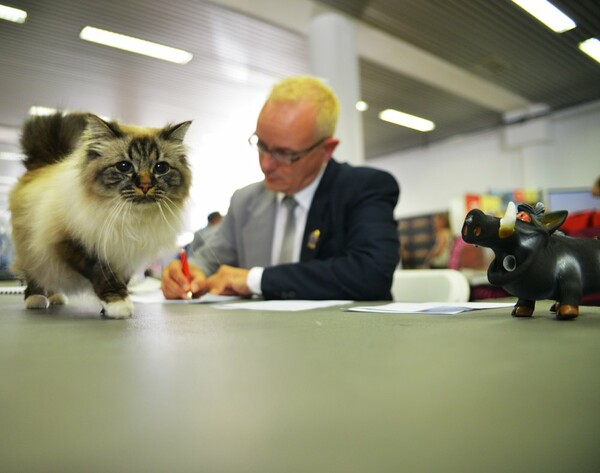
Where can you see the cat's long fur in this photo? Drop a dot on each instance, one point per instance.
(78, 222)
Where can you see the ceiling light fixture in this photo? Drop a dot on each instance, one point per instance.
(135, 45)
(362, 106)
(12, 14)
(404, 119)
(591, 47)
(9, 156)
(40, 111)
(548, 14)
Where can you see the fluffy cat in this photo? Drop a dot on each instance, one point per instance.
(98, 201)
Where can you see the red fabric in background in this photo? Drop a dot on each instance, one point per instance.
(578, 221)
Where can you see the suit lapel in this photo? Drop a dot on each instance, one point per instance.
(259, 229)
(318, 222)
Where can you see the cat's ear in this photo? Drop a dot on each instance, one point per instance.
(175, 132)
(101, 130)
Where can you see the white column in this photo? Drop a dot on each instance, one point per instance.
(334, 58)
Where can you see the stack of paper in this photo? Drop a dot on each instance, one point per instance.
(430, 307)
(283, 306)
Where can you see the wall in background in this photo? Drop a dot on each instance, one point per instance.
(561, 150)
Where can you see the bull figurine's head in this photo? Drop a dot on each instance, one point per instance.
(515, 229)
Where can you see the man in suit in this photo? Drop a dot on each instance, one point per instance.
(341, 242)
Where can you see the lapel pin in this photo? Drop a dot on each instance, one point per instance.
(313, 239)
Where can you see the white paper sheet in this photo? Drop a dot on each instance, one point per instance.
(440, 308)
(283, 306)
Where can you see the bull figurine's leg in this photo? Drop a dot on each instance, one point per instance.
(567, 312)
(570, 294)
(523, 308)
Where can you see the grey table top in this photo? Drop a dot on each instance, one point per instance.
(194, 388)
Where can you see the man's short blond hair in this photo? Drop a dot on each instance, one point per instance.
(311, 90)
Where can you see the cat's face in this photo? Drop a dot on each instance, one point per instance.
(137, 165)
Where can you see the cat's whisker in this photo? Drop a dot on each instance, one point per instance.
(128, 229)
(116, 205)
(101, 243)
(117, 217)
(109, 225)
(169, 202)
(165, 217)
(102, 247)
(124, 218)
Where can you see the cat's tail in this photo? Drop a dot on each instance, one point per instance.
(48, 139)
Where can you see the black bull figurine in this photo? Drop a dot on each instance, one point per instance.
(534, 262)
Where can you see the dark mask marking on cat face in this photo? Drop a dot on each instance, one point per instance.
(144, 148)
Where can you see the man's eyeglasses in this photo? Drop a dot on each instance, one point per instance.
(281, 156)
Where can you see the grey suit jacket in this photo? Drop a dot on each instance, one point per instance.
(350, 243)
(245, 236)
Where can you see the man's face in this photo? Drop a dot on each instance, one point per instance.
(291, 126)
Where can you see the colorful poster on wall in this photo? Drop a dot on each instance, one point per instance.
(527, 196)
(491, 204)
(495, 202)
(472, 201)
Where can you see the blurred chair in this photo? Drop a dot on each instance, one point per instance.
(430, 285)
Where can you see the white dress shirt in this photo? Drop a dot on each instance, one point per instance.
(304, 199)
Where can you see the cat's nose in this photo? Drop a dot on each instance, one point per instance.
(144, 182)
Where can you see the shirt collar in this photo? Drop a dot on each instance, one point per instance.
(304, 196)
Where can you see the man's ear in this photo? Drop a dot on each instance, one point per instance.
(330, 144)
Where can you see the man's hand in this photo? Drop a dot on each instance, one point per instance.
(229, 281)
(175, 285)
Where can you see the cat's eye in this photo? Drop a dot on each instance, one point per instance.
(124, 166)
(161, 167)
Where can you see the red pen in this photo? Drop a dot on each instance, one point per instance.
(186, 269)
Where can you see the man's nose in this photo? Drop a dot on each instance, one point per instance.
(267, 161)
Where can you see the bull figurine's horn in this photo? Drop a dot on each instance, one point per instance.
(507, 223)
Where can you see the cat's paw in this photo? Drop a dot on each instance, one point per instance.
(58, 299)
(37, 301)
(118, 309)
